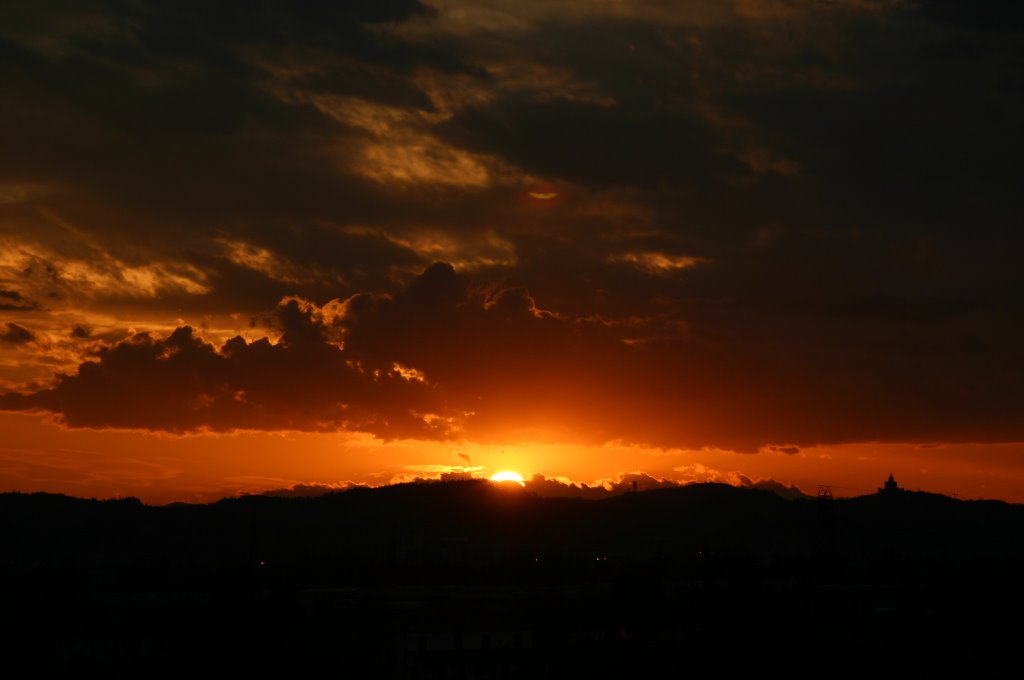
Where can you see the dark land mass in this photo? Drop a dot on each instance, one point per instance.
(467, 580)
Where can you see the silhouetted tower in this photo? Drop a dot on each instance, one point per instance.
(634, 486)
(891, 487)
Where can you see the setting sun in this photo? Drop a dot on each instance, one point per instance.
(508, 476)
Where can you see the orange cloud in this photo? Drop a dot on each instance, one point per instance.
(41, 273)
(657, 263)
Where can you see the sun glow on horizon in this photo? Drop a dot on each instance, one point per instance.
(508, 476)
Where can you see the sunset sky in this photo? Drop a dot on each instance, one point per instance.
(300, 245)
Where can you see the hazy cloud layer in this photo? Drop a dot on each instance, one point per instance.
(764, 223)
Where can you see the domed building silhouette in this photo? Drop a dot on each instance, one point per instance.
(891, 487)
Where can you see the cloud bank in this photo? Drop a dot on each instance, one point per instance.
(773, 224)
(442, 359)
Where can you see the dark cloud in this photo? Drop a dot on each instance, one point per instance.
(624, 146)
(778, 222)
(445, 358)
(198, 88)
(13, 334)
(435, 360)
(80, 331)
(12, 300)
(996, 17)
(183, 384)
(506, 364)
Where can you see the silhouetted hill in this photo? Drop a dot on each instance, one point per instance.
(639, 578)
(473, 524)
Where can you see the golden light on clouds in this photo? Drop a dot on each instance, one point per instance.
(657, 263)
(44, 273)
(408, 373)
(423, 159)
(483, 248)
(260, 260)
(379, 119)
(401, 148)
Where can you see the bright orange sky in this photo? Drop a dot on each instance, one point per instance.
(164, 468)
(258, 247)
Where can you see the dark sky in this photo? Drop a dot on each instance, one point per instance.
(729, 225)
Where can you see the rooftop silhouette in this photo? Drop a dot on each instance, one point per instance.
(890, 487)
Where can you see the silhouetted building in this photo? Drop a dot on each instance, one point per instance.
(891, 487)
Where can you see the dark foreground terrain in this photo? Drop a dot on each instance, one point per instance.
(465, 580)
